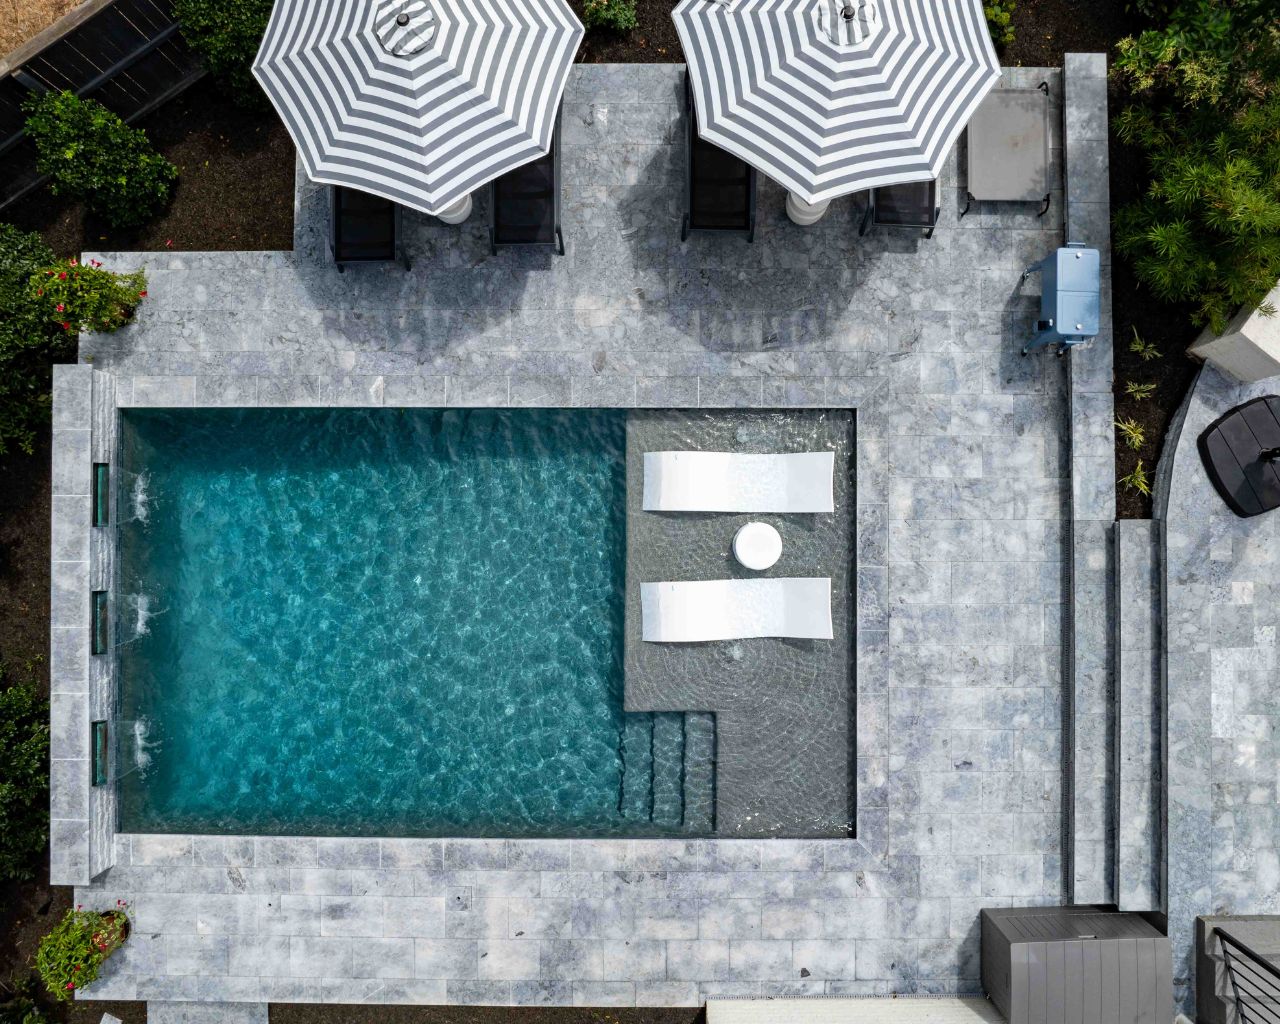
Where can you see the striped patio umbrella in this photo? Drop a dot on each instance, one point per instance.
(420, 101)
(828, 97)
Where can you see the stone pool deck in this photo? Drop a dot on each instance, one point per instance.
(972, 465)
(1222, 613)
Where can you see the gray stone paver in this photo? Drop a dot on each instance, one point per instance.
(1092, 725)
(963, 504)
(1139, 782)
(1223, 759)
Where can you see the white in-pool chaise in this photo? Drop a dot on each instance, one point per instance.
(702, 610)
(737, 482)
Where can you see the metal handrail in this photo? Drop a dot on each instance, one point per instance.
(1255, 981)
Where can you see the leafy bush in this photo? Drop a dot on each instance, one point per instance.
(1208, 230)
(71, 955)
(1206, 116)
(226, 34)
(1209, 51)
(1000, 21)
(613, 15)
(94, 156)
(35, 332)
(27, 341)
(17, 1007)
(24, 779)
(86, 298)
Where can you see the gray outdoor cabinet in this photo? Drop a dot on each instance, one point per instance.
(1076, 965)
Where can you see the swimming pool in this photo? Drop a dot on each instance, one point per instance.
(384, 622)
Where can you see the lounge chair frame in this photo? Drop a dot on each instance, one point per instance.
(691, 139)
(557, 241)
(926, 223)
(335, 241)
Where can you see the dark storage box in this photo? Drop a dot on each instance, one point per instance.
(1076, 965)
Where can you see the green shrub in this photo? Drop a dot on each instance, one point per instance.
(24, 779)
(1203, 52)
(613, 15)
(1000, 21)
(86, 298)
(29, 342)
(18, 1007)
(1208, 230)
(94, 156)
(226, 34)
(34, 332)
(71, 955)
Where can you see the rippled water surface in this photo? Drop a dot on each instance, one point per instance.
(377, 622)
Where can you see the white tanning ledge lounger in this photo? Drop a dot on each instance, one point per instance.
(697, 611)
(734, 482)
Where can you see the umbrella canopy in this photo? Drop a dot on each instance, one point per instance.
(828, 97)
(420, 101)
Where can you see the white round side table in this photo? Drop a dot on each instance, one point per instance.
(757, 546)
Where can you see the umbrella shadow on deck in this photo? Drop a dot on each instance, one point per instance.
(767, 306)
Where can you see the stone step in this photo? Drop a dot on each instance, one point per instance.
(1139, 759)
(636, 799)
(668, 768)
(699, 772)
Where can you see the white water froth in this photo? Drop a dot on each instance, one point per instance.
(138, 613)
(140, 499)
(142, 744)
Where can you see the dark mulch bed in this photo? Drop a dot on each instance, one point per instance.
(234, 190)
(1047, 29)
(1167, 327)
(653, 40)
(24, 557)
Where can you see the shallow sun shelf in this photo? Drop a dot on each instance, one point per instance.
(705, 610)
(736, 482)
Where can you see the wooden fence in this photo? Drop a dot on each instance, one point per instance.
(127, 54)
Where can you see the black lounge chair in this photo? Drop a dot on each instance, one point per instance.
(524, 204)
(363, 228)
(913, 205)
(719, 188)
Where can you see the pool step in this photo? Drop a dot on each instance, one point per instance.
(668, 768)
(699, 772)
(636, 800)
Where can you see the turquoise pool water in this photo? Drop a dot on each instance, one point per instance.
(379, 622)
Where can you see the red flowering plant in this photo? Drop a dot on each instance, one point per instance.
(71, 955)
(87, 297)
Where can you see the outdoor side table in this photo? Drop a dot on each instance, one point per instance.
(1070, 297)
(1241, 454)
(757, 546)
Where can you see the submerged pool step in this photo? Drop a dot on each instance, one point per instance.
(636, 799)
(699, 772)
(668, 768)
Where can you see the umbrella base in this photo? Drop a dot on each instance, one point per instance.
(458, 212)
(803, 213)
